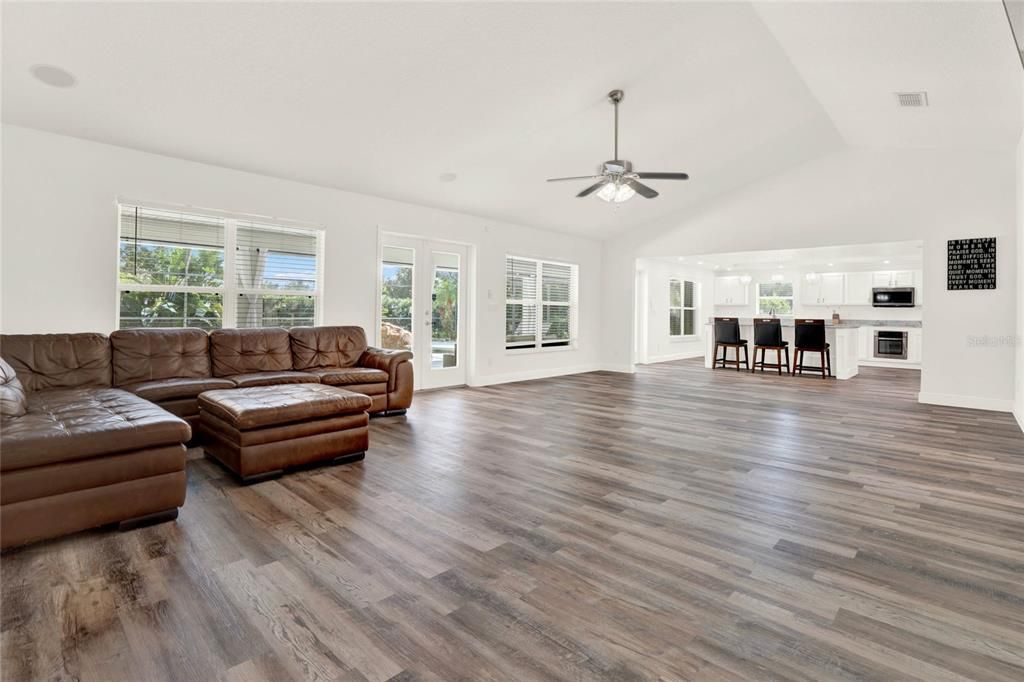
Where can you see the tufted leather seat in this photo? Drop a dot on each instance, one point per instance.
(271, 379)
(160, 390)
(77, 423)
(341, 376)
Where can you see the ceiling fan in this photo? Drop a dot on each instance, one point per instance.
(616, 180)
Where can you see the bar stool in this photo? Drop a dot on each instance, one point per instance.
(768, 336)
(727, 335)
(809, 337)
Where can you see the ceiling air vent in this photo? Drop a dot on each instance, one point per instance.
(912, 99)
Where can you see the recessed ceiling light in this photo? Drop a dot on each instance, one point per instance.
(681, 259)
(447, 177)
(53, 76)
(700, 262)
(780, 267)
(831, 265)
(885, 262)
(716, 267)
(729, 269)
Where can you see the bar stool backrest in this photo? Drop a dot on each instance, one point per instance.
(810, 334)
(727, 330)
(768, 332)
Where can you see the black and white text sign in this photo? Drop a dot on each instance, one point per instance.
(971, 263)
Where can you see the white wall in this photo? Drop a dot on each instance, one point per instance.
(59, 243)
(1018, 409)
(660, 346)
(865, 196)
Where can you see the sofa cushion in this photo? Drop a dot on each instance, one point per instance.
(252, 408)
(244, 351)
(73, 424)
(314, 347)
(342, 376)
(12, 394)
(45, 361)
(140, 355)
(173, 389)
(272, 379)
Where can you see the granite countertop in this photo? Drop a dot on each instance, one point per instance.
(843, 324)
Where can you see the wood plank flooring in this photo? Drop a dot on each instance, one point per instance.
(680, 523)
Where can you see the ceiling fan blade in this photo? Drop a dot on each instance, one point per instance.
(578, 177)
(593, 188)
(663, 176)
(642, 189)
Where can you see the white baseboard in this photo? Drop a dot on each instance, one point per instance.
(625, 369)
(492, 379)
(968, 401)
(699, 353)
(894, 364)
(1019, 416)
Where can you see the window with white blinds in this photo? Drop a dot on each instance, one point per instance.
(682, 308)
(540, 303)
(184, 269)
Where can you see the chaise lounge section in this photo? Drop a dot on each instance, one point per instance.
(76, 452)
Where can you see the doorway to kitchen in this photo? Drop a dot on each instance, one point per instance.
(421, 303)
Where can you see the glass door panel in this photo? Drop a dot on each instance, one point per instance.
(444, 338)
(396, 298)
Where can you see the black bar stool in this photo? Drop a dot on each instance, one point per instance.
(768, 336)
(809, 337)
(727, 335)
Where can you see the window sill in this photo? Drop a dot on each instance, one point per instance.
(683, 338)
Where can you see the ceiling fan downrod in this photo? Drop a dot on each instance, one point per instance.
(616, 96)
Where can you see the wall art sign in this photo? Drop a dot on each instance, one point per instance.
(971, 263)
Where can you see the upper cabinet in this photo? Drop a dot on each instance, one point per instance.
(894, 278)
(825, 289)
(730, 291)
(858, 288)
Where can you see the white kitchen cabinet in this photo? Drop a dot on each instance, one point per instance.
(825, 289)
(858, 288)
(832, 288)
(867, 341)
(914, 345)
(730, 291)
(894, 278)
(903, 278)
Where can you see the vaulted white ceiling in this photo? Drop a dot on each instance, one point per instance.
(382, 98)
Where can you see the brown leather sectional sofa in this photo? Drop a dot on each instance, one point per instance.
(94, 427)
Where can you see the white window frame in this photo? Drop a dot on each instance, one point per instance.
(537, 346)
(682, 308)
(229, 291)
(792, 298)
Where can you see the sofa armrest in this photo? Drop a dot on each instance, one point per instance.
(383, 359)
(386, 360)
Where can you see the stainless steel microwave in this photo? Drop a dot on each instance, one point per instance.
(892, 297)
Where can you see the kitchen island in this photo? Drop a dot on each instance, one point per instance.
(843, 338)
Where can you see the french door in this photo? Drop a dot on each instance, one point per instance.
(422, 307)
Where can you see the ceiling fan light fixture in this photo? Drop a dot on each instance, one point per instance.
(616, 193)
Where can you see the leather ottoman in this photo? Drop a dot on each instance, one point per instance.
(259, 432)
